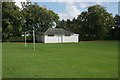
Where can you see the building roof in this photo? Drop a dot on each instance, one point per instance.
(57, 31)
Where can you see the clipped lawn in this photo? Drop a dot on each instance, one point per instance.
(92, 59)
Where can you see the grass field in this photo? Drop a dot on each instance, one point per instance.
(95, 59)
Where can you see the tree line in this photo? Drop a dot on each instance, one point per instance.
(94, 24)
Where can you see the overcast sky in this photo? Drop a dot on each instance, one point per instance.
(69, 10)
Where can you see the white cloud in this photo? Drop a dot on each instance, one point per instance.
(18, 2)
(71, 11)
(87, 4)
(84, 5)
(63, 16)
(98, 3)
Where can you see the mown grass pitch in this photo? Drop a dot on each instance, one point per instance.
(97, 59)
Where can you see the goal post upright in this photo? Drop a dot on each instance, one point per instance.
(25, 40)
(33, 39)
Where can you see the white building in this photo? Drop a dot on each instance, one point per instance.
(57, 35)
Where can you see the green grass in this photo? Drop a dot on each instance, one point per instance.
(71, 60)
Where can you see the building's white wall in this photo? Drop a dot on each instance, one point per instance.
(51, 39)
(72, 38)
(61, 38)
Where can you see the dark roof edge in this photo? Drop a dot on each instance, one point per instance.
(57, 31)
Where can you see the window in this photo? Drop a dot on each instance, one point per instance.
(50, 35)
(67, 34)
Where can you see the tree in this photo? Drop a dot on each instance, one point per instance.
(61, 24)
(11, 20)
(83, 25)
(38, 17)
(115, 30)
(99, 21)
(95, 23)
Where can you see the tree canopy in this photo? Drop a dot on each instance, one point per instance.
(16, 20)
(11, 20)
(39, 17)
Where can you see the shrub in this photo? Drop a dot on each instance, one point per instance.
(19, 39)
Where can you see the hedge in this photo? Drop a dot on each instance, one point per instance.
(19, 39)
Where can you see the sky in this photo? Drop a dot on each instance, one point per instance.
(69, 10)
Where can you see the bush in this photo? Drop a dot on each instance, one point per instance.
(19, 39)
(87, 38)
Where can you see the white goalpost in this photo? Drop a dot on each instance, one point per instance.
(25, 39)
(33, 40)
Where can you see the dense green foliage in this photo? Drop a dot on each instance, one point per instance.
(20, 39)
(16, 20)
(114, 32)
(73, 60)
(11, 20)
(38, 17)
